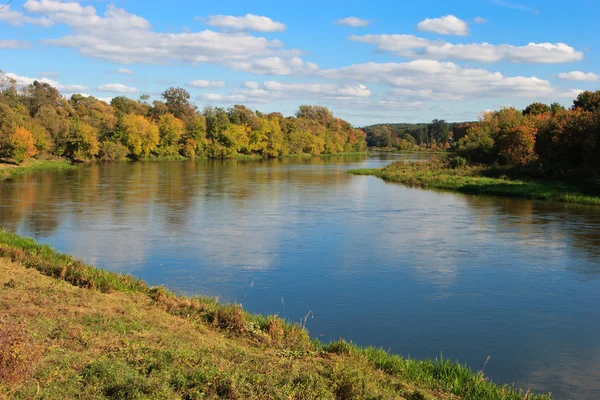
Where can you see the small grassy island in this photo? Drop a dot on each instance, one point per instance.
(69, 330)
(445, 175)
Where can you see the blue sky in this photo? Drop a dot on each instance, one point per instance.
(380, 61)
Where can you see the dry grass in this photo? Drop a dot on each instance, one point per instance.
(62, 338)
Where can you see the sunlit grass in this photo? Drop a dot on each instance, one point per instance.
(79, 331)
(437, 175)
(8, 171)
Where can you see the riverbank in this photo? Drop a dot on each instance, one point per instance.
(8, 171)
(71, 330)
(471, 180)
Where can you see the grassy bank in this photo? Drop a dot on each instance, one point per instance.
(69, 330)
(8, 171)
(439, 175)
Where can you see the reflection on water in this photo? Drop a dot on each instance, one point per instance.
(416, 271)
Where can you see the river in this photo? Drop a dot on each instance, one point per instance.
(422, 273)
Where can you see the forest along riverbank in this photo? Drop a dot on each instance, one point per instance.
(93, 332)
(443, 174)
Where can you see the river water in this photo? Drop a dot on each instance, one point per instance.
(422, 273)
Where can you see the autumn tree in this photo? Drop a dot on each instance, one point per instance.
(19, 145)
(38, 95)
(177, 101)
(82, 144)
(170, 130)
(142, 135)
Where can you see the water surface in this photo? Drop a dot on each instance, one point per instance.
(419, 272)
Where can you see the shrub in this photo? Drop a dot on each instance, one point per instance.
(458, 162)
(110, 151)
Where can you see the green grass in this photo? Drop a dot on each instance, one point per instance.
(70, 330)
(438, 175)
(8, 171)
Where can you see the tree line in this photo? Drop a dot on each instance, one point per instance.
(547, 140)
(437, 135)
(38, 120)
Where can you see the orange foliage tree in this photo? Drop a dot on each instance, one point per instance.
(20, 145)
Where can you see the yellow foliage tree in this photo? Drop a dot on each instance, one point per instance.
(83, 142)
(141, 135)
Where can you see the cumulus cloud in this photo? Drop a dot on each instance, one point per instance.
(25, 81)
(54, 6)
(435, 80)
(412, 46)
(274, 90)
(201, 83)
(249, 22)
(448, 25)
(579, 76)
(275, 66)
(14, 18)
(320, 89)
(480, 20)
(251, 85)
(353, 22)
(125, 38)
(14, 44)
(117, 88)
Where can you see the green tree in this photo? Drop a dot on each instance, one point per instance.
(536, 109)
(588, 101)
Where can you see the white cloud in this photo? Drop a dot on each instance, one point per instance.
(14, 44)
(252, 96)
(435, 80)
(125, 71)
(117, 88)
(14, 18)
(275, 66)
(125, 38)
(25, 81)
(480, 20)
(415, 47)
(353, 22)
(249, 22)
(251, 85)
(43, 21)
(54, 6)
(320, 89)
(201, 83)
(448, 25)
(579, 76)
(273, 90)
